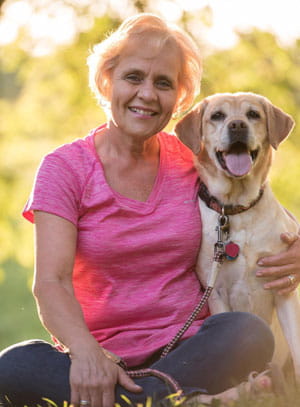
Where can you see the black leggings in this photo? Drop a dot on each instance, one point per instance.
(223, 352)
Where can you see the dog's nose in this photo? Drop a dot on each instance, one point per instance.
(237, 125)
(238, 131)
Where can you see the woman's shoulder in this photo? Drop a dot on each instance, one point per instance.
(77, 154)
(80, 147)
(70, 164)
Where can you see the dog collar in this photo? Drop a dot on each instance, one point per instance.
(213, 203)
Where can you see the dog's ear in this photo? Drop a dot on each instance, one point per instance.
(279, 124)
(189, 128)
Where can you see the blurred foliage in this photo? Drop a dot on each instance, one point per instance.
(45, 102)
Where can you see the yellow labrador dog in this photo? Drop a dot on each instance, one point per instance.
(233, 137)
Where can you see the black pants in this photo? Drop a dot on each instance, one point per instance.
(223, 352)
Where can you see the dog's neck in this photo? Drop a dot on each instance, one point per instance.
(228, 209)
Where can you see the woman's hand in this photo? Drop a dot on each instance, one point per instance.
(283, 267)
(93, 377)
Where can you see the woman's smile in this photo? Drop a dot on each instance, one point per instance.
(142, 112)
(144, 91)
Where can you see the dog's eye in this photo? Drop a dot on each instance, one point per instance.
(218, 115)
(253, 114)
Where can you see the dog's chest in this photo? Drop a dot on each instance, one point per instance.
(237, 288)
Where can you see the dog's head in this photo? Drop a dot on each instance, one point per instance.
(235, 130)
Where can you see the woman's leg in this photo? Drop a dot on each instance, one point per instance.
(224, 351)
(32, 370)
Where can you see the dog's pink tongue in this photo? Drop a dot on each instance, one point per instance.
(238, 164)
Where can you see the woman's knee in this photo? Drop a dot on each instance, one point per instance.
(21, 365)
(240, 320)
(245, 331)
(17, 359)
(31, 370)
(243, 342)
(20, 351)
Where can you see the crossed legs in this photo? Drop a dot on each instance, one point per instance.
(223, 352)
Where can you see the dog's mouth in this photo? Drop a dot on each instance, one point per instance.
(237, 160)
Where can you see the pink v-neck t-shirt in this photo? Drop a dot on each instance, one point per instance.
(134, 273)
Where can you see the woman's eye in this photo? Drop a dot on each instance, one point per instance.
(133, 78)
(253, 114)
(164, 84)
(218, 116)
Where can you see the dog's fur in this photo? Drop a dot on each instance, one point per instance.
(244, 125)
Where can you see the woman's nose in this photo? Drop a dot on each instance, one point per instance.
(147, 91)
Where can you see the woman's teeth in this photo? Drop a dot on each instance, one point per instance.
(142, 111)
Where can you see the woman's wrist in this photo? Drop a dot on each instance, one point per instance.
(84, 343)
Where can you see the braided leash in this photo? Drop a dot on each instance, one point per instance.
(188, 323)
(169, 380)
(219, 257)
(163, 376)
(137, 373)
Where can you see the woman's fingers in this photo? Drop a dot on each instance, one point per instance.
(108, 397)
(80, 392)
(75, 397)
(126, 381)
(93, 380)
(284, 279)
(289, 256)
(283, 268)
(289, 238)
(284, 285)
(90, 378)
(96, 394)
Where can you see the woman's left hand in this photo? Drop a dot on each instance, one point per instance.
(283, 267)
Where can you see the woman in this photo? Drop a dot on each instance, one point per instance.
(118, 230)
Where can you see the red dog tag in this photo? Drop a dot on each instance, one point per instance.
(232, 250)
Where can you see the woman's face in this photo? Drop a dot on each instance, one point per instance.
(144, 90)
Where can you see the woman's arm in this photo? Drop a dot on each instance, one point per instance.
(282, 265)
(92, 376)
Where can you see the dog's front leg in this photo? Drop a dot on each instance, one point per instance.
(288, 311)
(216, 304)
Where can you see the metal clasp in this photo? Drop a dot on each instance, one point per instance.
(222, 229)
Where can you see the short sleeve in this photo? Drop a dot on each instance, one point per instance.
(56, 190)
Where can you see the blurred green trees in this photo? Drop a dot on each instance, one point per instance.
(45, 102)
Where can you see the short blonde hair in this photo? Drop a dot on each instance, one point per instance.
(105, 56)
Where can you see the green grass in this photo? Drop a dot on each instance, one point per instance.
(290, 399)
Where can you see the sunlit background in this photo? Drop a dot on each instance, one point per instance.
(45, 100)
(53, 23)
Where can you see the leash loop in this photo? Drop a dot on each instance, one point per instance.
(169, 380)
